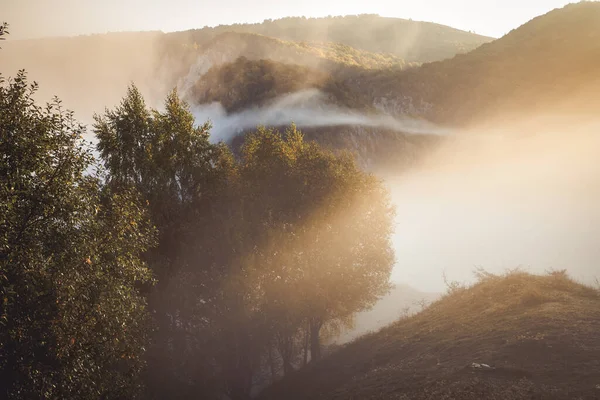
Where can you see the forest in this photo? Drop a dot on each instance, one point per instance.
(158, 264)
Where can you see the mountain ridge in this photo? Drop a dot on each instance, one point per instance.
(410, 40)
(546, 64)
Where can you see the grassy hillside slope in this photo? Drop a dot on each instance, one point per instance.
(539, 335)
(550, 63)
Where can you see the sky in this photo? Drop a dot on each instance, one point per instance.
(39, 18)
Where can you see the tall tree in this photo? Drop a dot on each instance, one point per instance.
(180, 175)
(72, 321)
(332, 221)
(252, 251)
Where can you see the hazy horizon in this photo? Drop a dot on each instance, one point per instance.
(37, 18)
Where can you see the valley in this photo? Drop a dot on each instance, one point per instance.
(356, 207)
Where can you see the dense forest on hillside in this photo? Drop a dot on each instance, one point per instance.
(246, 83)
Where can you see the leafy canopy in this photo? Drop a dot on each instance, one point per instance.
(72, 321)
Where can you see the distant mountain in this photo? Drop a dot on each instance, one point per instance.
(517, 337)
(91, 72)
(409, 40)
(550, 64)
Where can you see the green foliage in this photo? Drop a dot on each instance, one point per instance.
(254, 253)
(245, 83)
(72, 321)
(168, 160)
(180, 176)
(328, 224)
(3, 30)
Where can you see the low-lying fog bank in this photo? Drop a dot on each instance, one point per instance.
(526, 195)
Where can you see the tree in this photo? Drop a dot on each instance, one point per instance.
(3, 30)
(252, 250)
(72, 321)
(326, 231)
(180, 175)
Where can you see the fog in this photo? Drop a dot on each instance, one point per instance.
(90, 73)
(307, 108)
(522, 194)
(525, 195)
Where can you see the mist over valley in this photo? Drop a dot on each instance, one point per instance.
(303, 208)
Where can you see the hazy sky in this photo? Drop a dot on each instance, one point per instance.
(35, 18)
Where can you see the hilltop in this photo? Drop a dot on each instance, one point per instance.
(549, 64)
(538, 335)
(412, 41)
(156, 62)
(394, 66)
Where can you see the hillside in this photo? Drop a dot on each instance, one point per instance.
(537, 333)
(409, 40)
(549, 64)
(401, 301)
(325, 55)
(156, 62)
(246, 83)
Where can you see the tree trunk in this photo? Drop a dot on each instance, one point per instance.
(306, 337)
(272, 365)
(286, 350)
(240, 385)
(315, 344)
(287, 366)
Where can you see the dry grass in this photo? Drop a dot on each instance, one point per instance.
(539, 332)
